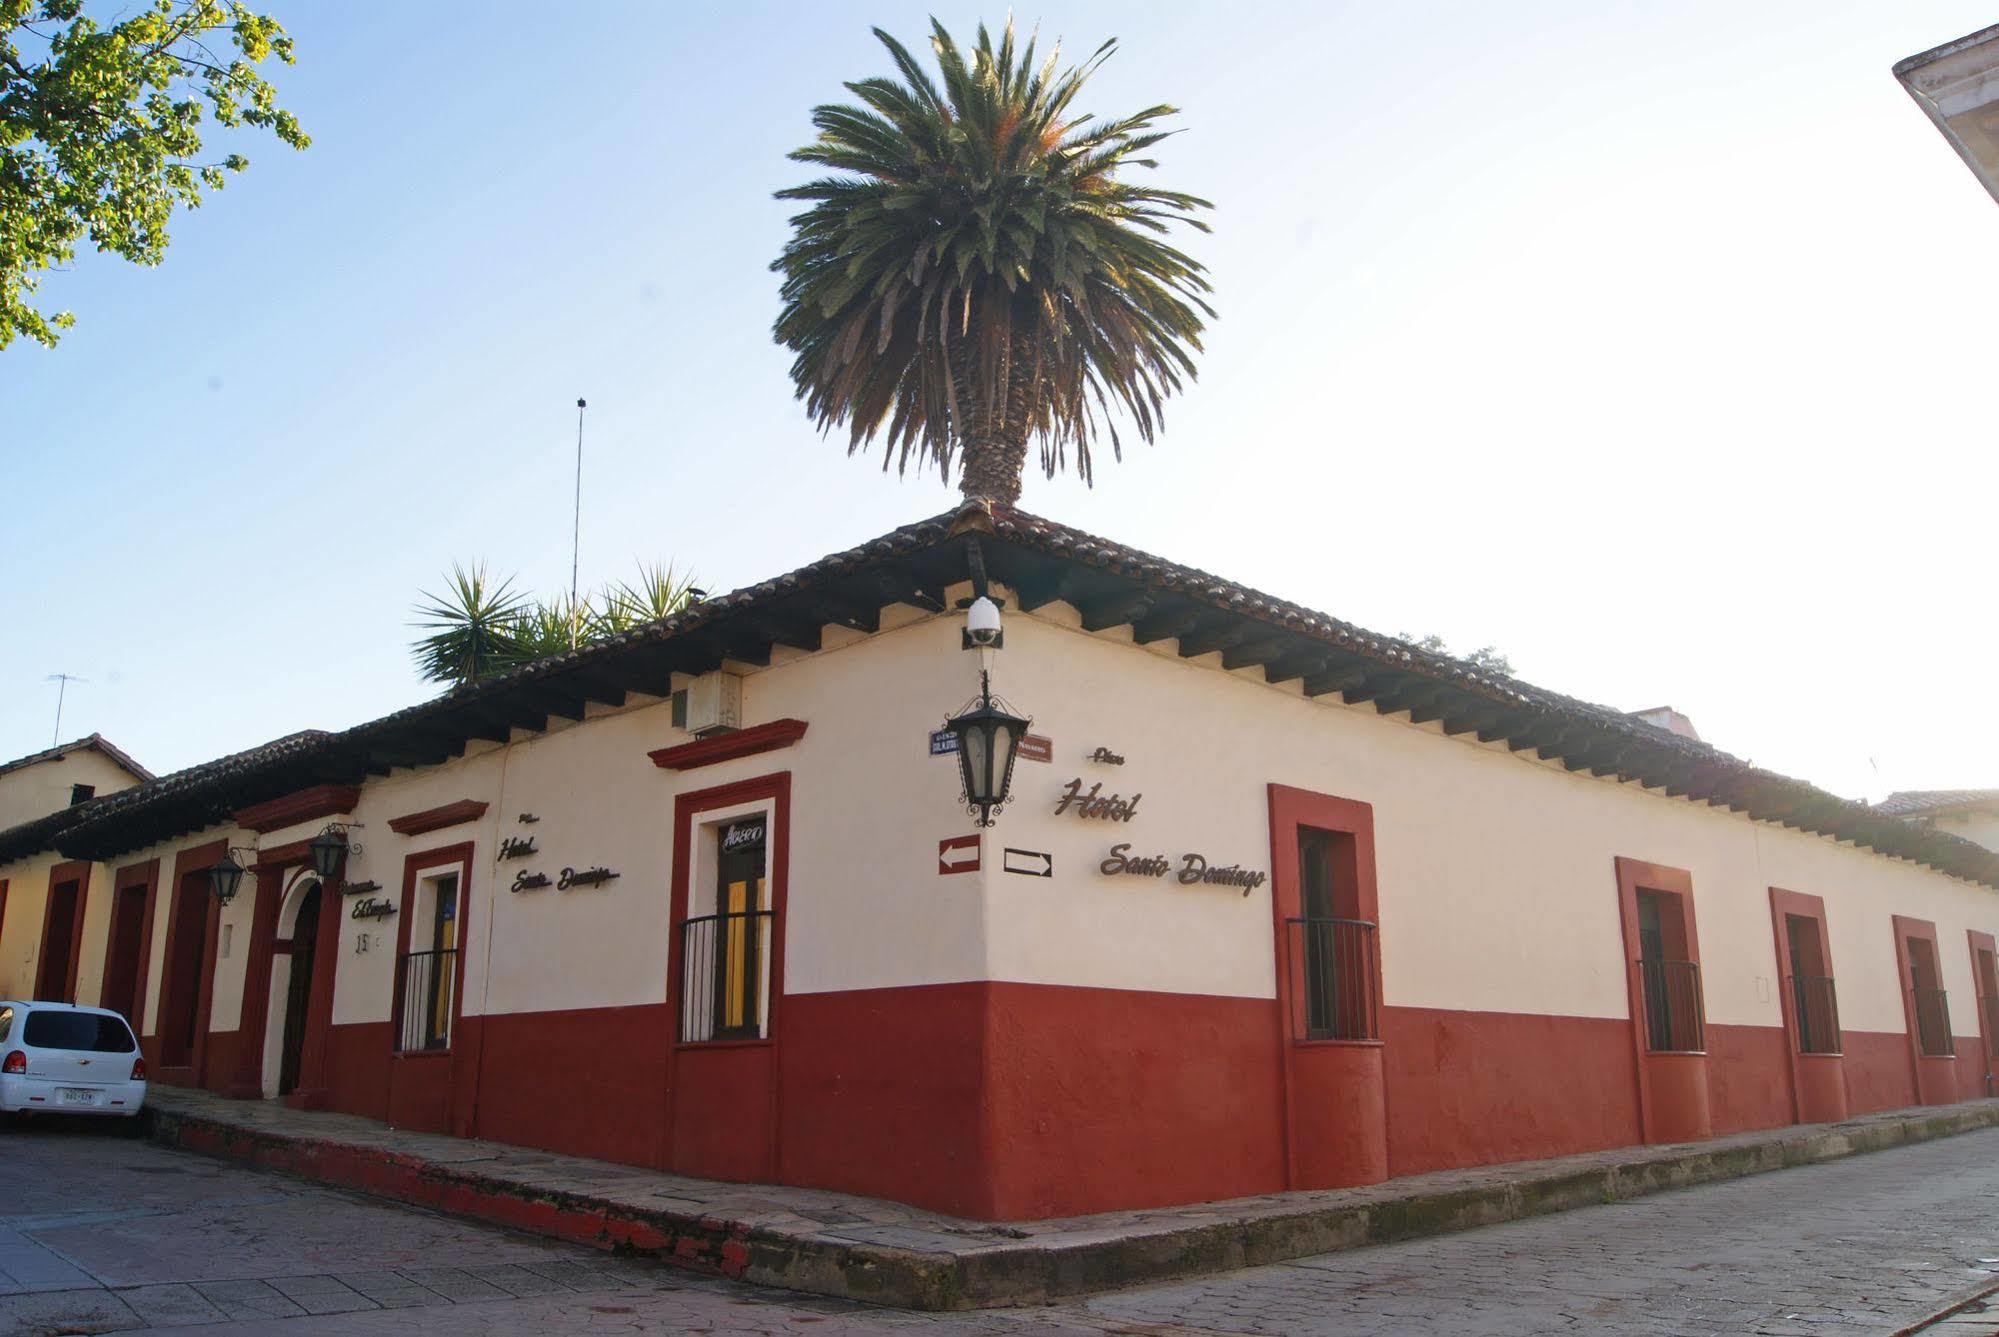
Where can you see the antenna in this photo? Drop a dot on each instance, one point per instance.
(576, 526)
(64, 679)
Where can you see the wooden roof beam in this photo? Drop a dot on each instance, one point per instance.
(1306, 662)
(1118, 609)
(1224, 633)
(797, 633)
(855, 616)
(1408, 695)
(1164, 623)
(1248, 651)
(1038, 592)
(1338, 679)
(1471, 719)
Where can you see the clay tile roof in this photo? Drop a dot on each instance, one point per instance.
(90, 743)
(70, 829)
(1929, 802)
(1040, 562)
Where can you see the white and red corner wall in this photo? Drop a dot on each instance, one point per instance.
(999, 1043)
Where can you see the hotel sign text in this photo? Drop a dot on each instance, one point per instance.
(1194, 870)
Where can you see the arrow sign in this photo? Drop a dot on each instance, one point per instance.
(958, 854)
(1029, 863)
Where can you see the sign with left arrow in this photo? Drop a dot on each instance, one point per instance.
(958, 854)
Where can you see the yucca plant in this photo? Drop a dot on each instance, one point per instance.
(658, 594)
(478, 628)
(544, 629)
(979, 276)
(473, 627)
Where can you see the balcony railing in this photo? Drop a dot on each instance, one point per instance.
(722, 964)
(1675, 1018)
(1815, 1003)
(424, 985)
(1933, 1022)
(1333, 974)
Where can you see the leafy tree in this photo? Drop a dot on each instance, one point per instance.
(1487, 657)
(978, 276)
(474, 627)
(101, 130)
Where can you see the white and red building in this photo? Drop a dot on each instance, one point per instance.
(1276, 904)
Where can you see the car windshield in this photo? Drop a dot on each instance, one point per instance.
(93, 1031)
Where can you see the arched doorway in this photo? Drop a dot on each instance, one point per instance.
(298, 990)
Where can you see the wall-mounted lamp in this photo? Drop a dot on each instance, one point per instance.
(988, 734)
(326, 848)
(226, 875)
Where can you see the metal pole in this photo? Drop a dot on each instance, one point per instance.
(576, 527)
(63, 680)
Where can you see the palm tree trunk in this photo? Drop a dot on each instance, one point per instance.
(992, 453)
(992, 466)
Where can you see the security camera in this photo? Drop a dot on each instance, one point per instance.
(982, 623)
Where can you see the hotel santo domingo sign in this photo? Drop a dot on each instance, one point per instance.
(1189, 869)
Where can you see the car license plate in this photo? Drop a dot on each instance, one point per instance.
(75, 1095)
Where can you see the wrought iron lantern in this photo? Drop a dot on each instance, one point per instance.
(226, 875)
(326, 848)
(988, 735)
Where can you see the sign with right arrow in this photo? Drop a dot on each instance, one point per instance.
(1029, 863)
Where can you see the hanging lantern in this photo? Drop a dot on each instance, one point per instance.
(988, 735)
(326, 849)
(225, 877)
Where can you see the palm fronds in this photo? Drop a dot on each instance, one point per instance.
(472, 626)
(658, 594)
(479, 628)
(548, 628)
(976, 275)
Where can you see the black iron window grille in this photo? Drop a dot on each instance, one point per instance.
(722, 964)
(1333, 965)
(1933, 1022)
(1675, 1020)
(425, 985)
(1815, 1003)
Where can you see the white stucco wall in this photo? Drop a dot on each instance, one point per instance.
(1497, 888)
(1495, 871)
(38, 790)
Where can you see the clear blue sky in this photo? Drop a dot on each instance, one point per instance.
(1651, 343)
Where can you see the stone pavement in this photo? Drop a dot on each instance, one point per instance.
(126, 1235)
(860, 1248)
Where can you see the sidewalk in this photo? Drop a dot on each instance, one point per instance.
(885, 1253)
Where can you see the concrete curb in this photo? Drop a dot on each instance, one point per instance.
(1029, 1271)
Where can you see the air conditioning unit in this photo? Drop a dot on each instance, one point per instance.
(711, 704)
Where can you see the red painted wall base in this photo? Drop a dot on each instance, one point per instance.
(998, 1101)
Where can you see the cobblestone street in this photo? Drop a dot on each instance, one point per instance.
(101, 1233)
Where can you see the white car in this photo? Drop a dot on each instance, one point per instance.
(58, 1058)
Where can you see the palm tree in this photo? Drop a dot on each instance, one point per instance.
(977, 276)
(473, 628)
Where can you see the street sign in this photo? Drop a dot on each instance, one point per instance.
(958, 854)
(942, 741)
(1029, 863)
(1035, 747)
